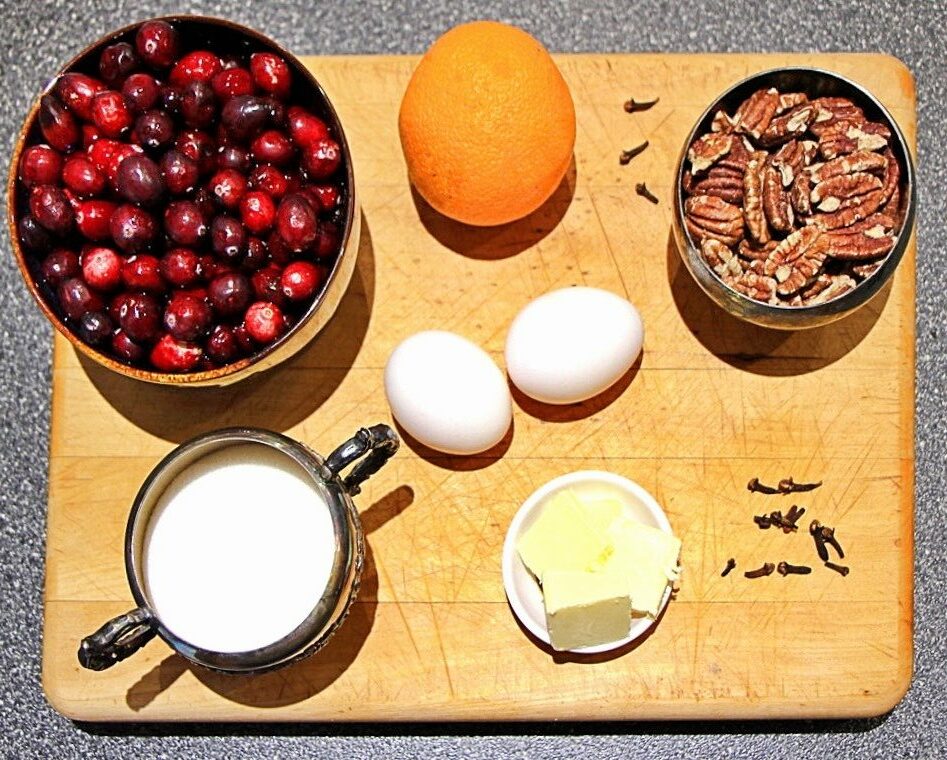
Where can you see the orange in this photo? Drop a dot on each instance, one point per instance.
(487, 124)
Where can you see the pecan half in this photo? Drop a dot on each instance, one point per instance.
(758, 287)
(843, 190)
(756, 112)
(830, 111)
(788, 126)
(720, 258)
(844, 217)
(793, 277)
(792, 247)
(752, 252)
(721, 123)
(776, 205)
(753, 214)
(815, 287)
(707, 150)
(844, 137)
(859, 161)
(722, 182)
(710, 217)
(858, 246)
(892, 176)
(838, 284)
(893, 207)
(867, 270)
(789, 100)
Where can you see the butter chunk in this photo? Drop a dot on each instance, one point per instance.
(647, 545)
(562, 538)
(584, 609)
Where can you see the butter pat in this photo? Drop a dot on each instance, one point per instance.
(584, 609)
(563, 538)
(641, 544)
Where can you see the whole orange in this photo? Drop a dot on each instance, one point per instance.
(487, 124)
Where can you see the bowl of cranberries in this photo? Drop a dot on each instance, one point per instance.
(181, 202)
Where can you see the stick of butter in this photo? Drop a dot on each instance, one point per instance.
(585, 608)
(563, 538)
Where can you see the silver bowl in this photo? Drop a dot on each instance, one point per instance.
(815, 83)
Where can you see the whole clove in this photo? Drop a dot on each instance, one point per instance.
(784, 568)
(815, 530)
(828, 536)
(788, 485)
(792, 518)
(840, 569)
(731, 563)
(777, 519)
(766, 569)
(763, 521)
(642, 189)
(635, 106)
(627, 155)
(756, 487)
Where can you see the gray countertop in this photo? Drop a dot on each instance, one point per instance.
(41, 35)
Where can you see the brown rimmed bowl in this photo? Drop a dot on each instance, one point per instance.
(815, 83)
(221, 37)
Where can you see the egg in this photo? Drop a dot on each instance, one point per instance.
(571, 344)
(447, 393)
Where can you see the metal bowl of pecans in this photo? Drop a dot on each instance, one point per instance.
(795, 198)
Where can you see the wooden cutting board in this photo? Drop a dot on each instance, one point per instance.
(713, 403)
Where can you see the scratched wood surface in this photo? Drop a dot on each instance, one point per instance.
(712, 403)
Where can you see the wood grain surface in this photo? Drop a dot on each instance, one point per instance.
(712, 403)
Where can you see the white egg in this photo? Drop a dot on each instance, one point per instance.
(571, 344)
(447, 393)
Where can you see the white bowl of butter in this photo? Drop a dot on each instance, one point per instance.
(588, 562)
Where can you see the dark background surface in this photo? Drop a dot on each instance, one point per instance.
(39, 37)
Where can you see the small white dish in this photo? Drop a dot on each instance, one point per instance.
(523, 591)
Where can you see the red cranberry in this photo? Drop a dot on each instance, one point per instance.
(256, 256)
(126, 349)
(180, 267)
(277, 110)
(143, 272)
(300, 280)
(197, 146)
(196, 66)
(117, 62)
(228, 186)
(101, 268)
(206, 202)
(267, 285)
(76, 299)
(228, 238)
(40, 165)
(186, 317)
(184, 222)
(76, 92)
(154, 129)
(229, 294)
(280, 253)
(170, 98)
(58, 126)
(297, 222)
(80, 175)
(32, 236)
(101, 153)
(140, 317)
(327, 242)
(306, 128)
(181, 174)
(264, 322)
(110, 113)
(321, 159)
(93, 217)
(245, 115)
(328, 195)
(271, 74)
(199, 292)
(170, 355)
(244, 341)
(157, 43)
(233, 157)
(232, 82)
(139, 180)
(222, 346)
(270, 180)
(198, 104)
(133, 229)
(51, 208)
(257, 211)
(59, 265)
(140, 92)
(272, 147)
(95, 327)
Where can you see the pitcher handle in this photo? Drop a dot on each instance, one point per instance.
(119, 638)
(377, 444)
